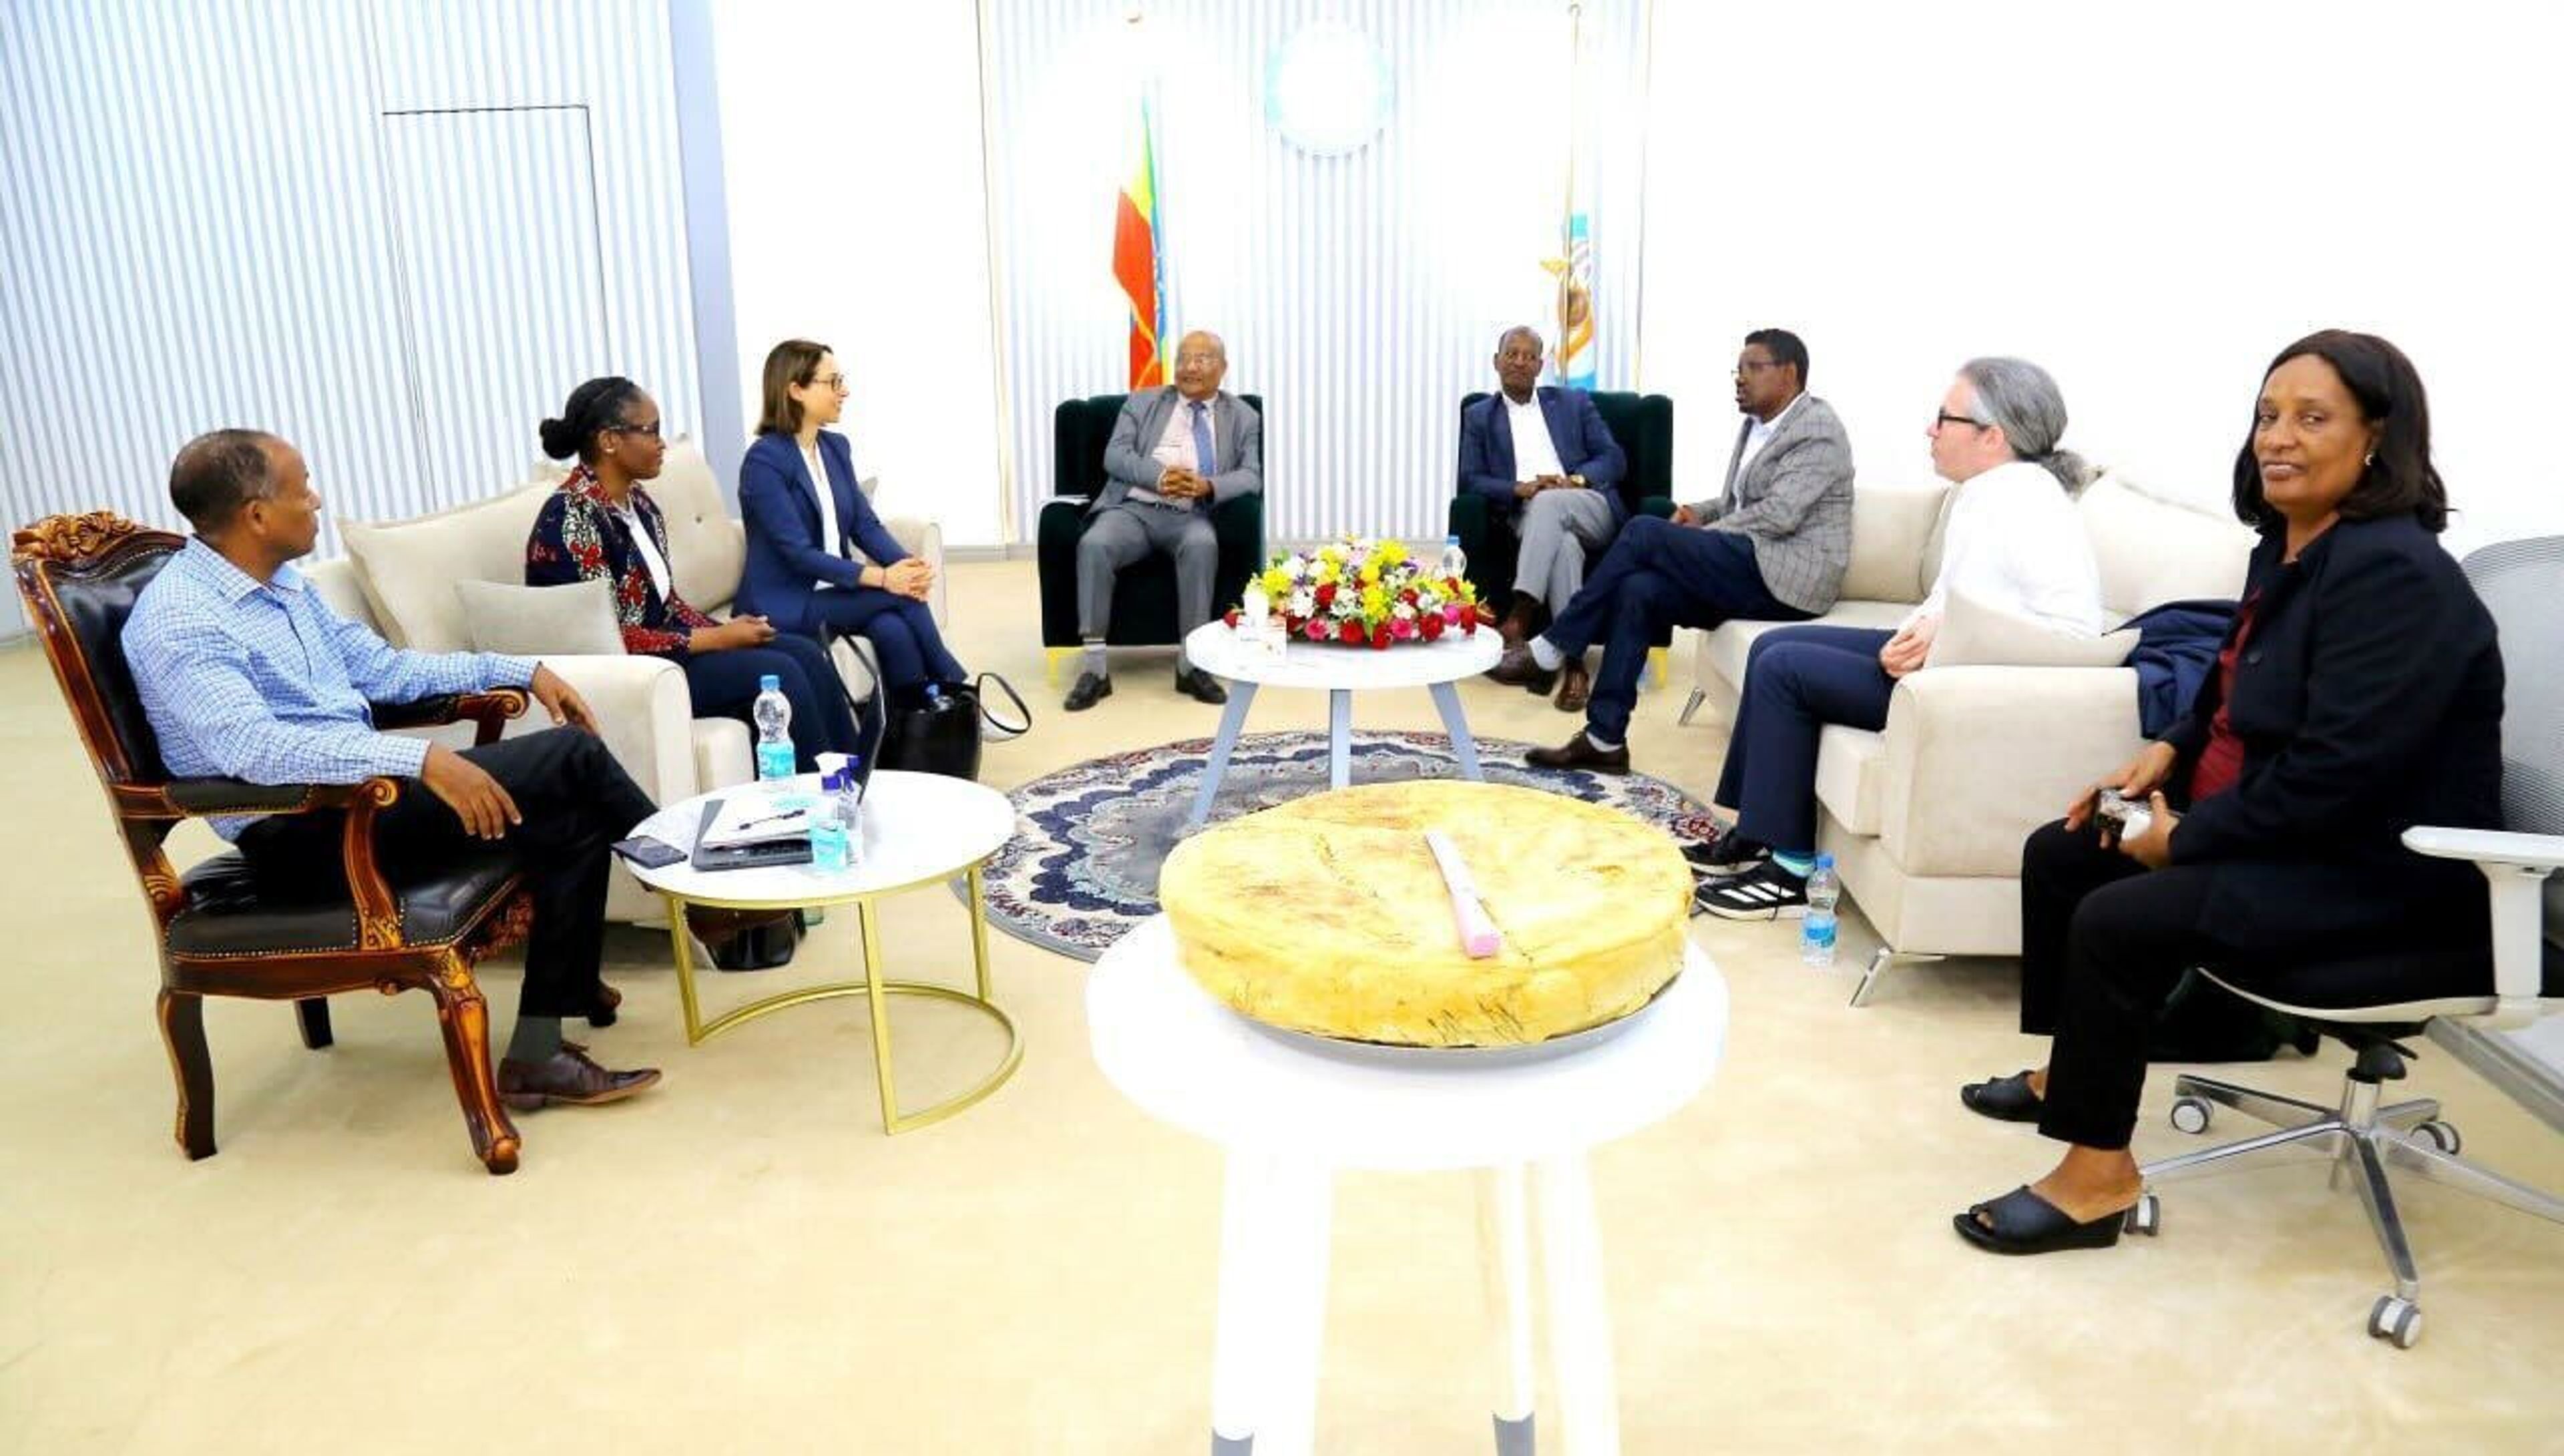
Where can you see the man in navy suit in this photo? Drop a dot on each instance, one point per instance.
(1550, 473)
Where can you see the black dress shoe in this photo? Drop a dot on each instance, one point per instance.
(1578, 752)
(1519, 667)
(1089, 689)
(1201, 685)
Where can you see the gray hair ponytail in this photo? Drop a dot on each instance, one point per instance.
(2022, 399)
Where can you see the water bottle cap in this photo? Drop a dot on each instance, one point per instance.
(770, 683)
(1451, 540)
(1824, 861)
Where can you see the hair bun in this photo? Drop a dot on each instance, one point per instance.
(558, 441)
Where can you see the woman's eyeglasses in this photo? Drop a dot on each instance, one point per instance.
(651, 429)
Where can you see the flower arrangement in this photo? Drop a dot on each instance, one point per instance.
(1360, 591)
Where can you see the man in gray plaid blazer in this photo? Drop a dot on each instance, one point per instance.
(1772, 547)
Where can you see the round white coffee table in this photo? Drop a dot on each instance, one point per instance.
(1290, 1116)
(1340, 672)
(919, 830)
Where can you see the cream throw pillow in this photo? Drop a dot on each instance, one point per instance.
(541, 621)
(1972, 634)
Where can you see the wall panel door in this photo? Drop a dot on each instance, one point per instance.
(500, 290)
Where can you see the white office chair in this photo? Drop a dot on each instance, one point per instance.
(2521, 583)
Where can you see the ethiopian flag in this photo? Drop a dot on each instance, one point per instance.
(1134, 264)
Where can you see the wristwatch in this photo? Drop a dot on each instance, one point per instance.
(1576, 481)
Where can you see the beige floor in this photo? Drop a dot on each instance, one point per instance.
(742, 1263)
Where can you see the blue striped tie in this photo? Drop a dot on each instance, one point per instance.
(1202, 442)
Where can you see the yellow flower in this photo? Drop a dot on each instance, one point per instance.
(1277, 583)
(1333, 556)
(1374, 600)
(1391, 552)
(1326, 573)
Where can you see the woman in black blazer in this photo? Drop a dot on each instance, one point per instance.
(2358, 694)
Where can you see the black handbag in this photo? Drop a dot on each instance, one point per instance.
(939, 731)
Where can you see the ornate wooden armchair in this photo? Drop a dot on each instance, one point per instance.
(223, 934)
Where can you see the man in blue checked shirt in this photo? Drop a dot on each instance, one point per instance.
(245, 673)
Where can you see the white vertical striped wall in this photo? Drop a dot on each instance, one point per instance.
(1361, 294)
(396, 232)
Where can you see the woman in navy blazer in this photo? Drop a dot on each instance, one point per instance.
(2358, 694)
(800, 575)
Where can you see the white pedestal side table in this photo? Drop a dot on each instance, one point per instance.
(1291, 1115)
(1339, 672)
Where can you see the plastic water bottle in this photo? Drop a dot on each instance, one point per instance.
(1455, 562)
(1816, 932)
(845, 803)
(829, 835)
(774, 714)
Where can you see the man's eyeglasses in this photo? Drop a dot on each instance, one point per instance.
(651, 429)
(1947, 418)
(1200, 360)
(1754, 366)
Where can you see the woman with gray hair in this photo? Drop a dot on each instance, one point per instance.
(2015, 545)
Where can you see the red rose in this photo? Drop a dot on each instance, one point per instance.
(1349, 634)
(1379, 636)
(1233, 616)
(1469, 625)
(1429, 625)
(1408, 596)
(1326, 596)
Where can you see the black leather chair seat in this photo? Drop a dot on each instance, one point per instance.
(227, 915)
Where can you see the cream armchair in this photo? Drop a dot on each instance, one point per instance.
(398, 577)
(1925, 818)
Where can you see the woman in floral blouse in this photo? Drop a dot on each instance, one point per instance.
(601, 523)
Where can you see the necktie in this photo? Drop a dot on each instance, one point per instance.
(1201, 441)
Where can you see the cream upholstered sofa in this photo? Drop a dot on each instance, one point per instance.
(1925, 818)
(398, 577)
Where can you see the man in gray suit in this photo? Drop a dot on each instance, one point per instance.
(1175, 454)
(1772, 547)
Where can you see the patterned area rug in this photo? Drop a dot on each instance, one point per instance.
(1083, 866)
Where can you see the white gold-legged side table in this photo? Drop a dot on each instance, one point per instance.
(1290, 1118)
(919, 830)
(1339, 672)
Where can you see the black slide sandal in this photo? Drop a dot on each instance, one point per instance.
(2025, 1223)
(2003, 1098)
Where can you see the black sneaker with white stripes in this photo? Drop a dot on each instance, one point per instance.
(1763, 893)
(1724, 852)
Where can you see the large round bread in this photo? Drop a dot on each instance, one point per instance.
(1328, 915)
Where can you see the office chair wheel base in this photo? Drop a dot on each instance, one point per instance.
(2190, 1115)
(2443, 1136)
(2145, 1219)
(2394, 1318)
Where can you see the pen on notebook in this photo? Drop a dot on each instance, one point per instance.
(1478, 933)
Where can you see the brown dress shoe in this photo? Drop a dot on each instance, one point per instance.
(1517, 624)
(1574, 687)
(1520, 669)
(571, 1078)
(602, 1013)
(1578, 752)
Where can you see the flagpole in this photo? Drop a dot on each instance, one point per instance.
(1566, 204)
